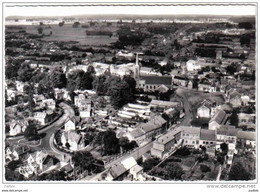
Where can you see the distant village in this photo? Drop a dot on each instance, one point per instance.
(164, 100)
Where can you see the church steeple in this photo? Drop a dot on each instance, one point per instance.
(137, 69)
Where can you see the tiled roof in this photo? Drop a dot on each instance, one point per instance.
(246, 135)
(117, 170)
(164, 103)
(191, 130)
(137, 133)
(157, 80)
(162, 88)
(169, 135)
(137, 168)
(218, 117)
(207, 135)
(129, 163)
(227, 130)
(155, 123)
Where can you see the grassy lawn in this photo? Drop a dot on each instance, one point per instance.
(211, 175)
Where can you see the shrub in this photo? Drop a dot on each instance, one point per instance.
(204, 168)
(184, 151)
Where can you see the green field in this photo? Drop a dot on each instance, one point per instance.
(68, 33)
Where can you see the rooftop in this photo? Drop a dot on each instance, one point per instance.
(207, 135)
(246, 135)
(219, 117)
(157, 80)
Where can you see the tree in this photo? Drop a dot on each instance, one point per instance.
(231, 69)
(204, 168)
(83, 160)
(150, 163)
(238, 172)
(11, 69)
(224, 148)
(110, 143)
(184, 151)
(54, 176)
(58, 79)
(31, 132)
(40, 30)
(25, 73)
(234, 118)
(174, 171)
(121, 93)
(123, 143)
(99, 85)
(245, 25)
(14, 164)
(13, 175)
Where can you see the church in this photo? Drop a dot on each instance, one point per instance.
(150, 83)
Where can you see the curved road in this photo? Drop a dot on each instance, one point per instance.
(46, 143)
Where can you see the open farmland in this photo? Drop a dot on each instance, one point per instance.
(68, 33)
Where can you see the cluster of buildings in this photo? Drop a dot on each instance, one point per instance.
(196, 137)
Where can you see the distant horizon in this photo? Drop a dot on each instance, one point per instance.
(76, 10)
(109, 14)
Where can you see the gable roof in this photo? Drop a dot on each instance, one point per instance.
(129, 163)
(117, 170)
(234, 94)
(155, 123)
(169, 135)
(49, 158)
(137, 133)
(162, 88)
(218, 117)
(157, 80)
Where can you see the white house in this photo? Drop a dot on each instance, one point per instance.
(75, 140)
(17, 126)
(41, 117)
(217, 120)
(70, 125)
(192, 65)
(191, 136)
(49, 103)
(228, 135)
(203, 111)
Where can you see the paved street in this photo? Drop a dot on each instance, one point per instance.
(47, 142)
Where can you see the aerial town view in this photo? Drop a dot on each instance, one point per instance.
(130, 98)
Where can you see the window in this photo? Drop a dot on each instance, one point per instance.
(186, 141)
(193, 142)
(203, 142)
(183, 134)
(187, 134)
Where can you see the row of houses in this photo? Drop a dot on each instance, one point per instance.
(195, 137)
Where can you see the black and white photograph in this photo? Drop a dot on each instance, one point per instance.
(129, 93)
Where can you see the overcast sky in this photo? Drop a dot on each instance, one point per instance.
(139, 10)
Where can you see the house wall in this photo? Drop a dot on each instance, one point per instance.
(213, 125)
(203, 112)
(70, 126)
